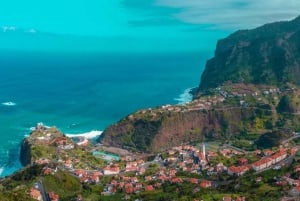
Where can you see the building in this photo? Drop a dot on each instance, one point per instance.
(269, 161)
(35, 194)
(205, 184)
(237, 170)
(149, 188)
(111, 170)
(53, 196)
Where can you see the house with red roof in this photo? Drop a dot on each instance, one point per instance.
(129, 188)
(193, 181)
(243, 161)
(172, 172)
(94, 178)
(138, 187)
(237, 170)
(84, 179)
(79, 173)
(205, 184)
(268, 152)
(262, 164)
(149, 188)
(53, 196)
(270, 160)
(227, 198)
(176, 180)
(111, 170)
(68, 163)
(131, 167)
(47, 171)
(35, 194)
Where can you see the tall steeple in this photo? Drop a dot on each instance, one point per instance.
(203, 150)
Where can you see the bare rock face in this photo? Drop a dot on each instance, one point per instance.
(25, 153)
(165, 130)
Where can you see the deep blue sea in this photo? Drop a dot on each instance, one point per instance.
(80, 93)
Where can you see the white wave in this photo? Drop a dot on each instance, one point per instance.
(185, 97)
(1, 171)
(9, 103)
(88, 135)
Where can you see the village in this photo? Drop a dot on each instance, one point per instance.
(227, 96)
(198, 165)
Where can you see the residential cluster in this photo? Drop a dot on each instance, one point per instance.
(178, 165)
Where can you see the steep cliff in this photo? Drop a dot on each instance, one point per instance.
(154, 131)
(25, 153)
(266, 55)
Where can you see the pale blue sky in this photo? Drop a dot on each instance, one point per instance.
(194, 24)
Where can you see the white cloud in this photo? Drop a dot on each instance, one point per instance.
(233, 13)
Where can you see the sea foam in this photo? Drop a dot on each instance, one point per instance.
(88, 135)
(9, 103)
(185, 97)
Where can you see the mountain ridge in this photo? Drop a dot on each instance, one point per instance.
(266, 55)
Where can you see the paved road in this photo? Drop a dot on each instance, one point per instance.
(43, 191)
(297, 135)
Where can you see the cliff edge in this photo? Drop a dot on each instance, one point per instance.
(266, 55)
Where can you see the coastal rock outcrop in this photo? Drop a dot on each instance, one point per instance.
(40, 146)
(25, 153)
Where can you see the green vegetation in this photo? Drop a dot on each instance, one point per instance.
(289, 104)
(41, 151)
(254, 56)
(62, 183)
(272, 139)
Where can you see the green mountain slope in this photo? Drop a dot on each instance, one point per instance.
(266, 55)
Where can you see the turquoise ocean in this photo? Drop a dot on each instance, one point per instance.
(81, 93)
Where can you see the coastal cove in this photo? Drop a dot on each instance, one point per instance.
(80, 93)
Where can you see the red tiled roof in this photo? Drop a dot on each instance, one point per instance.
(149, 188)
(129, 188)
(53, 196)
(262, 161)
(34, 193)
(193, 180)
(176, 180)
(205, 184)
(238, 169)
(226, 198)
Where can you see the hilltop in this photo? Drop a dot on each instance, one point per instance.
(266, 55)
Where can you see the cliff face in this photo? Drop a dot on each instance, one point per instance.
(25, 153)
(155, 131)
(266, 55)
(40, 144)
